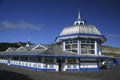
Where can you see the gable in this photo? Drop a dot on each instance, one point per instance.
(9, 49)
(21, 49)
(39, 47)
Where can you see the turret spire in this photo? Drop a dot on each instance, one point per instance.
(79, 14)
(79, 21)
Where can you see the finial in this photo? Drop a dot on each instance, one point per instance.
(28, 42)
(79, 14)
(79, 21)
(28, 39)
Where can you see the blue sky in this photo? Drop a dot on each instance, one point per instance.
(43, 20)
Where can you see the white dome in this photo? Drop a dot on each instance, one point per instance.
(82, 29)
(79, 29)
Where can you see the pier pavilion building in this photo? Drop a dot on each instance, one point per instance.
(77, 48)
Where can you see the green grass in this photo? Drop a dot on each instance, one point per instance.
(113, 54)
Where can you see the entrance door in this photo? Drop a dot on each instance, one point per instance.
(60, 62)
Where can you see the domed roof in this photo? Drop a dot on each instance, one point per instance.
(80, 29)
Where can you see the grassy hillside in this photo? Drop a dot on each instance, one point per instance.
(108, 50)
(6, 45)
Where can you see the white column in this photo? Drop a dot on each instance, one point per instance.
(79, 46)
(64, 46)
(95, 47)
(100, 49)
(78, 42)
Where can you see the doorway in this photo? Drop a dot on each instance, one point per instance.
(61, 62)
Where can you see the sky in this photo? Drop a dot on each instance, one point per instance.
(42, 20)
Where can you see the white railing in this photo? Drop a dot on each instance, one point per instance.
(13, 62)
(88, 65)
(72, 66)
(3, 61)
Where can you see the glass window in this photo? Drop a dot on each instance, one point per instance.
(72, 60)
(32, 59)
(87, 46)
(39, 59)
(67, 47)
(3, 57)
(24, 58)
(74, 50)
(71, 45)
(14, 58)
(88, 60)
(49, 60)
(74, 45)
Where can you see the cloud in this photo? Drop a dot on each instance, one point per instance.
(20, 25)
(114, 35)
(28, 26)
(7, 24)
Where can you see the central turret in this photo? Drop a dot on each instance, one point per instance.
(81, 38)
